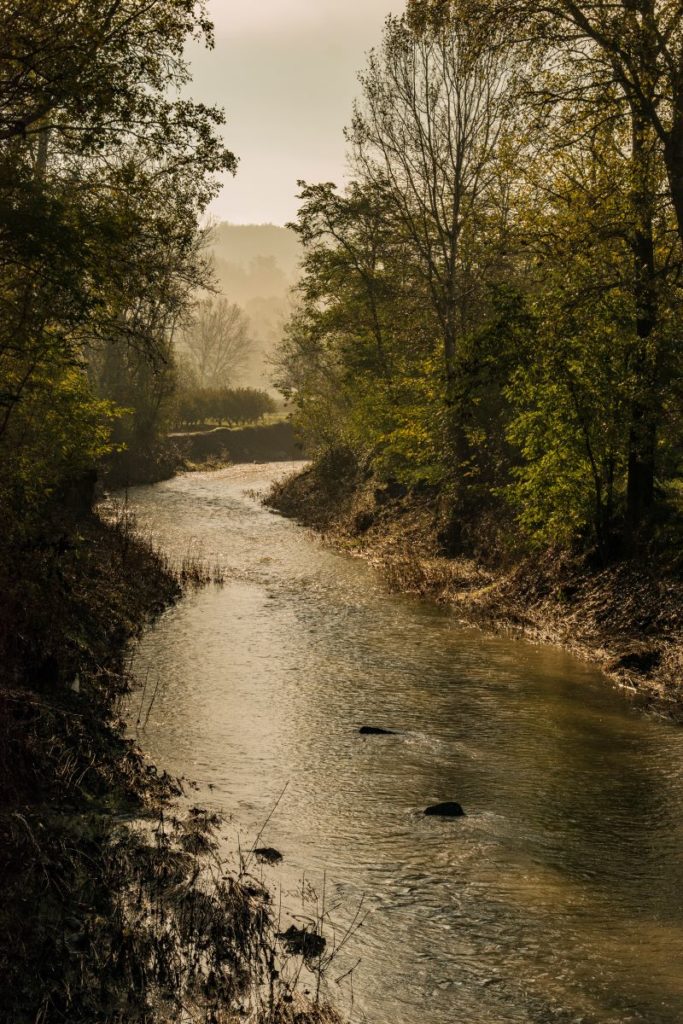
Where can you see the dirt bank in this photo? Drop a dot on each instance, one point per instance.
(274, 442)
(200, 449)
(626, 617)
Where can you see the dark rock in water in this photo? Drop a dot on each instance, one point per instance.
(303, 943)
(268, 855)
(446, 810)
(371, 730)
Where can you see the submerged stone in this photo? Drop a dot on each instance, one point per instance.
(268, 855)
(302, 942)
(450, 809)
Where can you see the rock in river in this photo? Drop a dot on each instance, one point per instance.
(372, 730)
(450, 809)
(266, 854)
(308, 944)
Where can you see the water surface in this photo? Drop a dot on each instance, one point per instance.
(558, 898)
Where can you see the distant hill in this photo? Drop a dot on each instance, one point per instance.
(256, 266)
(242, 243)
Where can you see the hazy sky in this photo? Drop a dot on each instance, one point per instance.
(285, 71)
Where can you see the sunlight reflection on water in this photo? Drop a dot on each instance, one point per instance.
(558, 897)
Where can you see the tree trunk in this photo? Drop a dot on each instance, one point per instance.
(673, 155)
(449, 351)
(640, 494)
(640, 491)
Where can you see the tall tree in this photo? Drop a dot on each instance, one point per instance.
(636, 45)
(590, 65)
(428, 133)
(216, 342)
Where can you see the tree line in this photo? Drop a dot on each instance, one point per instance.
(492, 306)
(231, 406)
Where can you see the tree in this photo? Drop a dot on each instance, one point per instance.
(432, 135)
(103, 178)
(597, 65)
(635, 45)
(641, 43)
(572, 382)
(217, 342)
(98, 72)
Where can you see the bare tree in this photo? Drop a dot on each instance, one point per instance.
(217, 342)
(635, 46)
(428, 134)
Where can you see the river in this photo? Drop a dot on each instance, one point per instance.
(559, 897)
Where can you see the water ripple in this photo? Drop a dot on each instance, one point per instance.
(558, 897)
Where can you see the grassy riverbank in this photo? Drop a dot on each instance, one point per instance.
(114, 908)
(626, 617)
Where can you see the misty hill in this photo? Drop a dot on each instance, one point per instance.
(256, 266)
(240, 244)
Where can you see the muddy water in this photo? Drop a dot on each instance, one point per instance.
(558, 898)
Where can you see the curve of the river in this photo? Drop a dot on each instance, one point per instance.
(559, 897)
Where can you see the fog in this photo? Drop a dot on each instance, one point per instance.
(286, 73)
(256, 267)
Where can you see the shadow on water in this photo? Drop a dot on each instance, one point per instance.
(558, 896)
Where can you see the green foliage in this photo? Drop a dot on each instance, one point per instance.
(59, 432)
(493, 305)
(200, 406)
(103, 179)
(403, 424)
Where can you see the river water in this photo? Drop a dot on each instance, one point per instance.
(559, 897)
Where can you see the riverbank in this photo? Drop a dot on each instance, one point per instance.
(213, 448)
(268, 442)
(116, 906)
(626, 618)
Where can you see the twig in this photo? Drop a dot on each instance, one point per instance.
(151, 703)
(344, 976)
(321, 924)
(142, 699)
(350, 931)
(265, 824)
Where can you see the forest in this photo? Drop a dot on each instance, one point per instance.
(491, 307)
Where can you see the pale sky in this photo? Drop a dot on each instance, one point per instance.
(285, 72)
